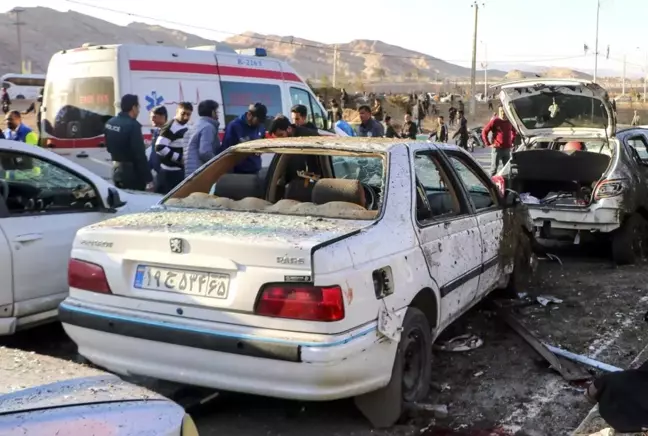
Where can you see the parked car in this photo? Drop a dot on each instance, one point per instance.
(454, 98)
(328, 278)
(99, 406)
(44, 199)
(578, 175)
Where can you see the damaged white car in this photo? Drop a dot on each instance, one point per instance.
(577, 175)
(328, 278)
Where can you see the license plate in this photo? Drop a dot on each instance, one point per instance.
(204, 284)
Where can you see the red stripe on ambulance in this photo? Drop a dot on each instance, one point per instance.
(223, 70)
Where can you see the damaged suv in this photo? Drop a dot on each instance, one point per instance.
(577, 175)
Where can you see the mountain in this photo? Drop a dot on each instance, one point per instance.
(359, 60)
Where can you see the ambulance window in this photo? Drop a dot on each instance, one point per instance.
(237, 96)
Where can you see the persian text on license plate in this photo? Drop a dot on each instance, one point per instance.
(205, 284)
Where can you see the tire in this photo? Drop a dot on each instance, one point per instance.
(415, 350)
(629, 241)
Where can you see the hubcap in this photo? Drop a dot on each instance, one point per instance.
(413, 363)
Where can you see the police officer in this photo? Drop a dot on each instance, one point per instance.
(125, 144)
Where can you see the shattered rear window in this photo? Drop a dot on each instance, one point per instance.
(554, 110)
(315, 183)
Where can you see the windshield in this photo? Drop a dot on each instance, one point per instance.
(321, 184)
(78, 107)
(555, 110)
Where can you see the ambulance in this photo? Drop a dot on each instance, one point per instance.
(84, 87)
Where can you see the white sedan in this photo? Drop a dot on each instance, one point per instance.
(44, 199)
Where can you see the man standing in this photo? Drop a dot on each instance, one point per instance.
(390, 132)
(248, 127)
(441, 133)
(169, 147)
(159, 117)
(17, 131)
(282, 128)
(409, 129)
(299, 114)
(635, 119)
(368, 126)
(462, 132)
(503, 137)
(35, 107)
(125, 143)
(202, 144)
(6, 101)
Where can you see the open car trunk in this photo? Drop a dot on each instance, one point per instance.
(554, 178)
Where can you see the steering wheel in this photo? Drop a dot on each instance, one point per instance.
(371, 198)
(4, 189)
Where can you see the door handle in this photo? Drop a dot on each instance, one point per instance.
(28, 237)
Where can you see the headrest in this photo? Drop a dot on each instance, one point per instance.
(239, 186)
(327, 190)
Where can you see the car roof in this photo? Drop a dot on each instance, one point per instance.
(342, 143)
(541, 80)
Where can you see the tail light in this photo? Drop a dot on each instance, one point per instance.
(500, 183)
(309, 303)
(87, 276)
(609, 188)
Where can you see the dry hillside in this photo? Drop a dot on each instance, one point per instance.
(360, 60)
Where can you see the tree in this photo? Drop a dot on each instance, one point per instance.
(325, 82)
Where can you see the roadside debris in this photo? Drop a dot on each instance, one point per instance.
(439, 411)
(582, 359)
(441, 387)
(466, 342)
(604, 432)
(551, 257)
(546, 299)
(567, 370)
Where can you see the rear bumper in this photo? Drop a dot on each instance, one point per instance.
(591, 219)
(127, 343)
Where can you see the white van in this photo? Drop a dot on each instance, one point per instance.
(84, 87)
(23, 86)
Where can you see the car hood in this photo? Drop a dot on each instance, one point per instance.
(553, 108)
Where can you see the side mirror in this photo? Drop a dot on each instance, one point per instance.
(113, 200)
(511, 198)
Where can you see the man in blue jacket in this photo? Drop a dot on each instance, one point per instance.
(247, 127)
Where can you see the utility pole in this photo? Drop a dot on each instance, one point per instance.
(484, 65)
(335, 58)
(18, 23)
(596, 52)
(624, 76)
(645, 76)
(473, 71)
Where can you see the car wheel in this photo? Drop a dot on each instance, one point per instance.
(629, 241)
(415, 350)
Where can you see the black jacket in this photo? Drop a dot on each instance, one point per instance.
(169, 146)
(409, 130)
(390, 132)
(125, 143)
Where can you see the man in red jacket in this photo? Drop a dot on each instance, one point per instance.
(503, 137)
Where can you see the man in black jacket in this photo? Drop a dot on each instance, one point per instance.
(410, 129)
(125, 143)
(299, 114)
(282, 128)
(169, 147)
(390, 132)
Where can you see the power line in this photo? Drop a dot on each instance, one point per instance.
(319, 47)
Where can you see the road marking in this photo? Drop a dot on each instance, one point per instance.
(99, 161)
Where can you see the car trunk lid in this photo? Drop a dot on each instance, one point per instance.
(555, 108)
(207, 258)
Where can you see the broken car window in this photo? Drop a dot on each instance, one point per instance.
(639, 144)
(438, 196)
(481, 194)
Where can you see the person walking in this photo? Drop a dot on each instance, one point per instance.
(5, 100)
(441, 133)
(169, 147)
(17, 131)
(125, 143)
(335, 112)
(368, 126)
(635, 119)
(462, 131)
(503, 135)
(202, 142)
(377, 110)
(35, 107)
(409, 129)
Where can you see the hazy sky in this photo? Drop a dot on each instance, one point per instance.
(545, 32)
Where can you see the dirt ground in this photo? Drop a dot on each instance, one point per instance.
(502, 388)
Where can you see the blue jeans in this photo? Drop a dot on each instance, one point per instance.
(498, 155)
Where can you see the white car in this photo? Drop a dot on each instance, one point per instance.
(44, 199)
(456, 98)
(327, 278)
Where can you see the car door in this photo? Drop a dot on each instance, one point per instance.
(448, 233)
(486, 205)
(46, 204)
(637, 143)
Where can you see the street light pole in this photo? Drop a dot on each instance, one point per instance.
(484, 65)
(596, 46)
(18, 23)
(473, 71)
